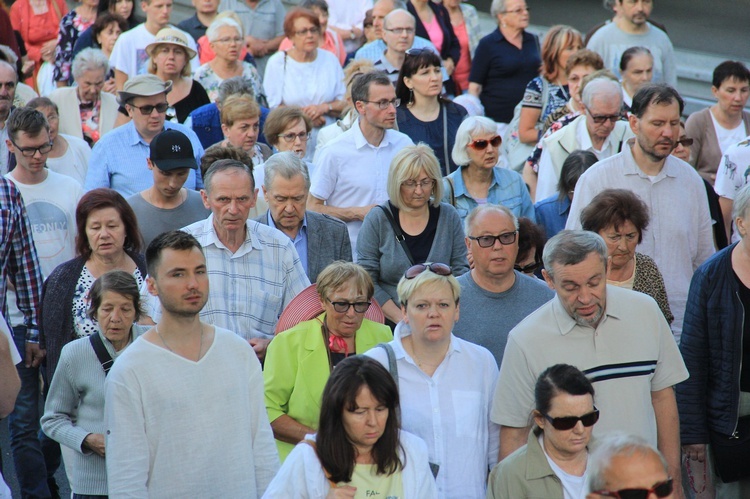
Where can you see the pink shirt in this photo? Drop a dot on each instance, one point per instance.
(435, 33)
(463, 68)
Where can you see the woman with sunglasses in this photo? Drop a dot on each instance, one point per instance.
(413, 226)
(300, 360)
(557, 448)
(620, 217)
(479, 180)
(423, 114)
(445, 383)
(530, 246)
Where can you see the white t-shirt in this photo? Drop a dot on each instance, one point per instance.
(129, 53)
(574, 487)
(728, 137)
(75, 162)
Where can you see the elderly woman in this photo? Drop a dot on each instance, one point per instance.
(423, 114)
(72, 25)
(329, 39)
(557, 448)
(505, 61)
(306, 75)
(240, 122)
(108, 239)
(85, 111)
(226, 38)
(445, 383)
(412, 227)
(300, 360)
(636, 69)
(74, 410)
(288, 129)
(371, 453)
(480, 180)
(465, 22)
(724, 124)
(714, 403)
(69, 155)
(531, 239)
(170, 61)
(620, 217)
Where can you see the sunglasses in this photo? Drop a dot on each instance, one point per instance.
(686, 142)
(148, 109)
(437, 268)
(505, 239)
(527, 269)
(342, 307)
(481, 144)
(662, 489)
(569, 422)
(601, 118)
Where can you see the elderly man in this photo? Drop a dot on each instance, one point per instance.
(398, 35)
(8, 82)
(625, 462)
(118, 160)
(352, 171)
(678, 240)
(254, 270)
(600, 130)
(618, 337)
(630, 28)
(319, 239)
(184, 407)
(168, 205)
(493, 288)
(374, 50)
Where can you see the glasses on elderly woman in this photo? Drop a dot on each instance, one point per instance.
(481, 144)
(569, 422)
(437, 268)
(342, 307)
(661, 489)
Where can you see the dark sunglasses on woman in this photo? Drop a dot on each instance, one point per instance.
(661, 489)
(481, 144)
(437, 268)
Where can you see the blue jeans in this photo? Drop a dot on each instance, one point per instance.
(33, 452)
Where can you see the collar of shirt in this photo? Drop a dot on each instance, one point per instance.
(302, 232)
(402, 331)
(670, 168)
(387, 66)
(584, 139)
(360, 141)
(566, 323)
(133, 137)
(563, 206)
(208, 236)
(459, 188)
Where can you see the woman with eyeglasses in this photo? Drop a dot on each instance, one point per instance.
(288, 129)
(636, 69)
(306, 75)
(300, 360)
(330, 40)
(412, 227)
(445, 383)
(557, 448)
(620, 217)
(423, 114)
(479, 180)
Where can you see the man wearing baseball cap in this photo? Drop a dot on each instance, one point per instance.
(167, 205)
(118, 160)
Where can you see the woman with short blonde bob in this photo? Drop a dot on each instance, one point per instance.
(412, 227)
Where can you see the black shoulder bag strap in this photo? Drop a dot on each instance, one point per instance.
(101, 352)
(399, 235)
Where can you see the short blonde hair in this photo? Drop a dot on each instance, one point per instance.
(340, 273)
(407, 287)
(239, 107)
(406, 165)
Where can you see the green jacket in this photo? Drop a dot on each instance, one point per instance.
(296, 370)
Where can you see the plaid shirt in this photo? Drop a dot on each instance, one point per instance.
(18, 261)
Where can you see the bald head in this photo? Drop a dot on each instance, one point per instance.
(398, 30)
(380, 9)
(8, 81)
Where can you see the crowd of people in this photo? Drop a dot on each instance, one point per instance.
(357, 248)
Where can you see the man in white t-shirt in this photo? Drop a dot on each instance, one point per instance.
(184, 406)
(351, 175)
(129, 57)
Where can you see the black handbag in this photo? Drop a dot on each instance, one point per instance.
(732, 453)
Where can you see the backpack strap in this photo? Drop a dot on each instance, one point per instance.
(105, 359)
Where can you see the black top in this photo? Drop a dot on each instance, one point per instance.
(421, 244)
(744, 371)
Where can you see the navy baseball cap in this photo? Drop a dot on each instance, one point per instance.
(172, 149)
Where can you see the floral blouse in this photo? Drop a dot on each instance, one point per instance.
(71, 27)
(211, 81)
(90, 112)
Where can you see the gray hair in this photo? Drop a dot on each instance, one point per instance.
(288, 165)
(223, 165)
(10, 67)
(498, 208)
(471, 126)
(89, 59)
(212, 32)
(741, 202)
(570, 247)
(236, 85)
(394, 13)
(497, 7)
(601, 88)
(611, 446)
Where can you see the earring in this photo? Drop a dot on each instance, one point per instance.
(411, 97)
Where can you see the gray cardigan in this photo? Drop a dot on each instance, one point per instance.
(75, 408)
(384, 258)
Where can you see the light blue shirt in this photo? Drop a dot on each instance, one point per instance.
(374, 50)
(300, 241)
(507, 189)
(118, 161)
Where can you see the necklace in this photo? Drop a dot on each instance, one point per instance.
(421, 363)
(200, 347)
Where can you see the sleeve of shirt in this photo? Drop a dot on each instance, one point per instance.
(532, 97)
(670, 70)
(527, 206)
(368, 251)
(118, 57)
(546, 184)
(273, 80)
(514, 393)
(729, 175)
(265, 455)
(324, 176)
(704, 227)
(64, 50)
(279, 374)
(98, 172)
(493, 449)
(480, 64)
(670, 367)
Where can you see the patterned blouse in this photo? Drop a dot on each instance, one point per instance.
(90, 112)
(211, 81)
(71, 27)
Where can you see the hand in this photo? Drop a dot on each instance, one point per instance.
(449, 66)
(341, 492)
(27, 69)
(110, 86)
(360, 212)
(256, 46)
(34, 354)
(695, 452)
(312, 111)
(95, 442)
(48, 50)
(259, 345)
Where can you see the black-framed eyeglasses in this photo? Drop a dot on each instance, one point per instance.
(529, 268)
(481, 144)
(569, 422)
(342, 307)
(437, 268)
(505, 239)
(661, 489)
(289, 138)
(148, 108)
(601, 118)
(383, 104)
(30, 152)
(400, 31)
(686, 142)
